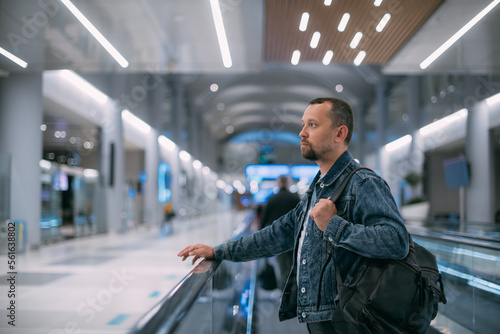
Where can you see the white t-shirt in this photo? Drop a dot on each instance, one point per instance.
(304, 228)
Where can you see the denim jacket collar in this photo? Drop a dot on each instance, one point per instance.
(333, 174)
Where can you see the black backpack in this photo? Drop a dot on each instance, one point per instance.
(389, 296)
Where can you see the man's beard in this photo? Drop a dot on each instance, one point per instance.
(309, 154)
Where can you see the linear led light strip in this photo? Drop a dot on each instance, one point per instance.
(436, 54)
(185, 156)
(398, 143)
(136, 121)
(15, 59)
(443, 122)
(430, 128)
(221, 34)
(84, 85)
(93, 30)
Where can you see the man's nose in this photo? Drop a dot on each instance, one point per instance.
(302, 132)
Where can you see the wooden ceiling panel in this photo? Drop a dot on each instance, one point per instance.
(283, 35)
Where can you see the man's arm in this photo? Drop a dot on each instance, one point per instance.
(197, 251)
(377, 229)
(272, 240)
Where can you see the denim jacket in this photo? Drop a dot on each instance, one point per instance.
(368, 223)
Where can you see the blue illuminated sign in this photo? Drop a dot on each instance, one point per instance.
(266, 172)
(164, 181)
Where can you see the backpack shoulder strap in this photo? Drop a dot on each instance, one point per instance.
(344, 183)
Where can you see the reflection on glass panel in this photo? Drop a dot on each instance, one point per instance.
(224, 304)
(472, 284)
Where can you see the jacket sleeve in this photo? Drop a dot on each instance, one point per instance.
(377, 230)
(271, 240)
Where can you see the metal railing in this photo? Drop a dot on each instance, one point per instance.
(166, 316)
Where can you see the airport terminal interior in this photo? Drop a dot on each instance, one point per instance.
(131, 129)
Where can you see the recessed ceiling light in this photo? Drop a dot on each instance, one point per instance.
(383, 22)
(377, 3)
(315, 39)
(303, 21)
(295, 57)
(356, 39)
(359, 58)
(328, 57)
(339, 88)
(344, 21)
(214, 87)
(328, 2)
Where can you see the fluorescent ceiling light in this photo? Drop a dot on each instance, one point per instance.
(328, 57)
(167, 143)
(84, 85)
(493, 99)
(45, 164)
(93, 30)
(220, 184)
(197, 164)
(303, 21)
(205, 170)
(436, 54)
(359, 58)
(15, 59)
(343, 22)
(221, 34)
(228, 189)
(356, 39)
(135, 121)
(89, 172)
(295, 57)
(377, 3)
(443, 122)
(315, 39)
(328, 2)
(383, 22)
(184, 155)
(398, 143)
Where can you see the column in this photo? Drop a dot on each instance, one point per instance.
(360, 128)
(178, 111)
(112, 167)
(382, 111)
(21, 114)
(479, 196)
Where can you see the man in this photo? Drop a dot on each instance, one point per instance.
(364, 221)
(278, 205)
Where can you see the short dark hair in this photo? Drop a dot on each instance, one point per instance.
(340, 114)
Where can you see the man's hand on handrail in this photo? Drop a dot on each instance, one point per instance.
(197, 251)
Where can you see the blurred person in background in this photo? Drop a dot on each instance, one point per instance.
(278, 205)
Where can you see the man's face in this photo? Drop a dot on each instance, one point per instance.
(317, 135)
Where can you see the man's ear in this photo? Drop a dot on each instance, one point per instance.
(342, 132)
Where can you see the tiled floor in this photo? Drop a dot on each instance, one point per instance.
(102, 284)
